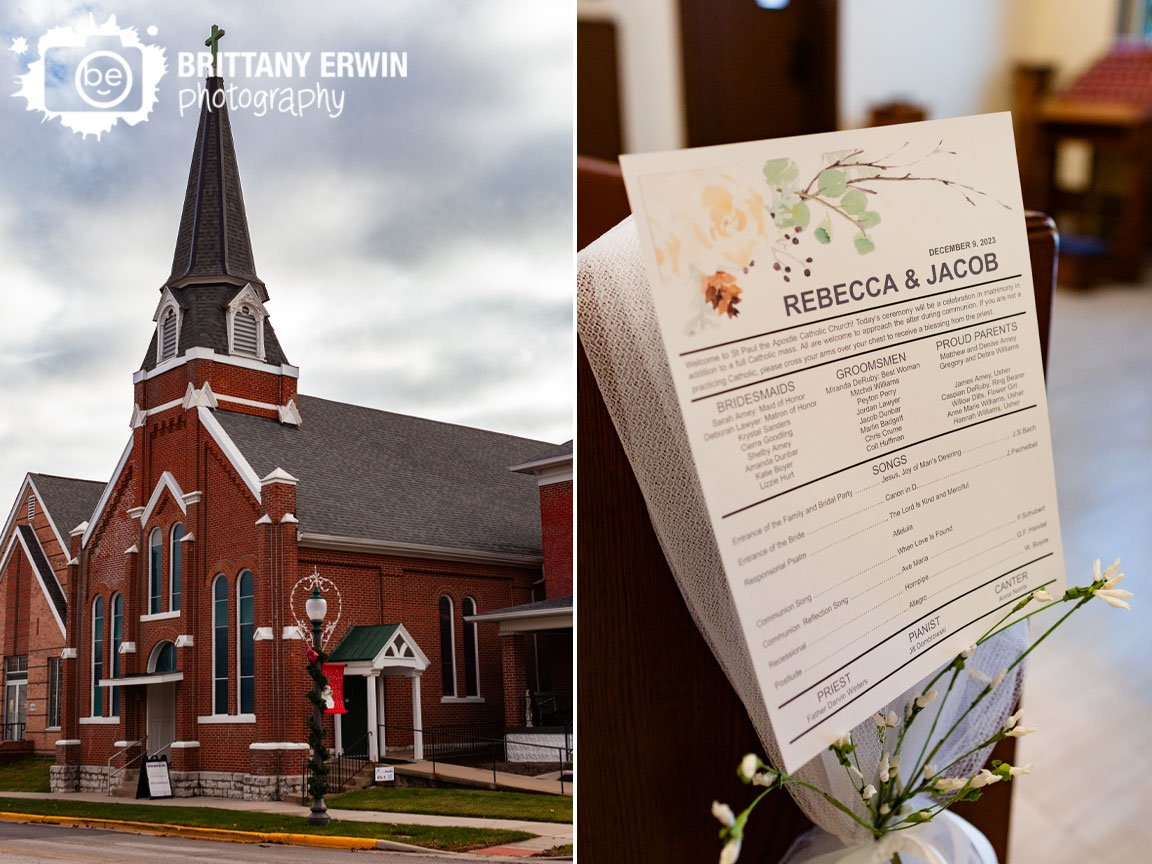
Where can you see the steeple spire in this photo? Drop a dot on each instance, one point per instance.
(213, 245)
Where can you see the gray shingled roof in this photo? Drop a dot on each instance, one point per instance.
(68, 501)
(205, 323)
(213, 236)
(382, 476)
(47, 574)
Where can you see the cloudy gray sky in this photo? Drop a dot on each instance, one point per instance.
(416, 248)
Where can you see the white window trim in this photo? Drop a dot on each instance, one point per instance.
(155, 532)
(247, 296)
(476, 647)
(167, 302)
(462, 700)
(239, 668)
(227, 718)
(160, 616)
(92, 664)
(212, 618)
(174, 547)
(452, 639)
(99, 721)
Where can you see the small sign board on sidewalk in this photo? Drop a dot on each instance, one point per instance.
(385, 773)
(155, 782)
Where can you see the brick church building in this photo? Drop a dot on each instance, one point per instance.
(163, 610)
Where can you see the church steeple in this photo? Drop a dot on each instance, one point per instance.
(213, 300)
(213, 245)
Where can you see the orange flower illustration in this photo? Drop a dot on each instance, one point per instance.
(720, 289)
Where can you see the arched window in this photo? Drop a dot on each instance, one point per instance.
(176, 570)
(168, 333)
(447, 647)
(471, 658)
(245, 335)
(155, 568)
(163, 659)
(220, 645)
(117, 639)
(97, 656)
(246, 645)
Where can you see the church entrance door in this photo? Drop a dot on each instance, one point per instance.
(355, 723)
(161, 717)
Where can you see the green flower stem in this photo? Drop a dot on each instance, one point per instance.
(997, 632)
(786, 779)
(918, 765)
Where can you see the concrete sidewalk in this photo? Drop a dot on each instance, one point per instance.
(548, 834)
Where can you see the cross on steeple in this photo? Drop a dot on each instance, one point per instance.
(213, 42)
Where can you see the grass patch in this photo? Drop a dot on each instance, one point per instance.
(484, 803)
(430, 836)
(555, 852)
(26, 775)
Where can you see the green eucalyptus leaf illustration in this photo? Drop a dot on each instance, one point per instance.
(801, 215)
(781, 172)
(832, 183)
(854, 202)
(868, 219)
(863, 243)
(823, 232)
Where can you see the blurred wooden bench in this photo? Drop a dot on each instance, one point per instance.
(661, 730)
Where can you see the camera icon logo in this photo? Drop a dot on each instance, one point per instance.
(103, 75)
(93, 76)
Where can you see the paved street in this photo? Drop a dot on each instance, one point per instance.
(53, 844)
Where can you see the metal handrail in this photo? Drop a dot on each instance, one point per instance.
(119, 772)
(564, 754)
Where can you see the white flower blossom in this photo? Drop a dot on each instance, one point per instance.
(929, 770)
(985, 778)
(868, 792)
(748, 766)
(894, 765)
(968, 652)
(950, 784)
(1019, 731)
(1109, 576)
(1011, 722)
(1018, 770)
(731, 851)
(884, 768)
(1115, 597)
(892, 719)
(924, 698)
(1041, 595)
(885, 809)
(723, 814)
(844, 740)
(856, 775)
(766, 778)
(879, 720)
(998, 680)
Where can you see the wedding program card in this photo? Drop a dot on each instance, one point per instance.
(852, 334)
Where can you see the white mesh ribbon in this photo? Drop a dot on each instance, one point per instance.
(618, 329)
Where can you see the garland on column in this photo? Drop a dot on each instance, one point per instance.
(317, 761)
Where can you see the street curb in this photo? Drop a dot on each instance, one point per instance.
(188, 833)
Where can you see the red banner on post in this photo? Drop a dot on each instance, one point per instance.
(334, 672)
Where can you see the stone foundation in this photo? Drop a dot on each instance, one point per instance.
(93, 778)
(238, 785)
(541, 745)
(65, 778)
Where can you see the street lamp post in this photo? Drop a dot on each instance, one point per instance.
(315, 608)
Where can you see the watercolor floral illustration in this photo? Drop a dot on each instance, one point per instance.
(716, 226)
